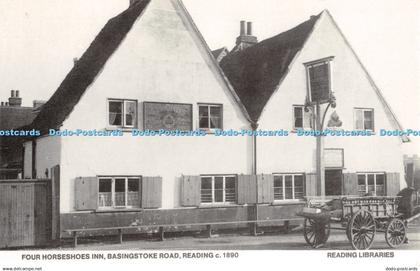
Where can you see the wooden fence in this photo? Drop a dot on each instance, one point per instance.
(29, 211)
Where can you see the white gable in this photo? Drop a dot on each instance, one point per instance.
(162, 59)
(352, 88)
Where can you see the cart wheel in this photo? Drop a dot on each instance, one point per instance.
(395, 233)
(362, 230)
(316, 233)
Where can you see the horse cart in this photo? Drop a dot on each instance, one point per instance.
(360, 217)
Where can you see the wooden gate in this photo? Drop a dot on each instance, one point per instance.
(25, 213)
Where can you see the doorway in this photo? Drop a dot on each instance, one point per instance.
(333, 182)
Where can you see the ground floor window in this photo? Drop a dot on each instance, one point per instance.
(288, 186)
(119, 192)
(371, 183)
(218, 189)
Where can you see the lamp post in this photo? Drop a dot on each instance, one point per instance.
(319, 127)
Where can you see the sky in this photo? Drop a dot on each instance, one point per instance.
(39, 39)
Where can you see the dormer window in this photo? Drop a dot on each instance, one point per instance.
(122, 113)
(319, 82)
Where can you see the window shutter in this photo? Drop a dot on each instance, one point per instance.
(265, 188)
(86, 193)
(151, 196)
(392, 183)
(247, 189)
(359, 119)
(310, 185)
(350, 184)
(190, 190)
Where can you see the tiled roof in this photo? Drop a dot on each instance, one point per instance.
(60, 105)
(255, 72)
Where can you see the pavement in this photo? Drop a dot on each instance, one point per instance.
(237, 241)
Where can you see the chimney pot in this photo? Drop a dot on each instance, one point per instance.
(249, 29)
(243, 28)
(245, 39)
(14, 99)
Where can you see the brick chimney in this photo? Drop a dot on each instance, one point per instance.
(14, 99)
(246, 38)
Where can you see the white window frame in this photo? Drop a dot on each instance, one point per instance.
(363, 118)
(367, 182)
(293, 186)
(209, 105)
(123, 117)
(224, 202)
(304, 114)
(113, 178)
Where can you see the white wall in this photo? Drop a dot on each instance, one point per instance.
(162, 61)
(48, 152)
(352, 89)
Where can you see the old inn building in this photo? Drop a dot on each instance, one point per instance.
(149, 68)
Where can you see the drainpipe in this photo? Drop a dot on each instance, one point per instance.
(254, 127)
(320, 169)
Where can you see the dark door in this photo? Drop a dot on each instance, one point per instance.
(333, 182)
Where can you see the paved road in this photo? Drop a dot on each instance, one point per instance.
(279, 241)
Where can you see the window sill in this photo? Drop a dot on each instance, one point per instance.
(372, 132)
(210, 131)
(123, 129)
(117, 210)
(295, 130)
(217, 205)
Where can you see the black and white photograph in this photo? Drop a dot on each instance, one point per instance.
(160, 133)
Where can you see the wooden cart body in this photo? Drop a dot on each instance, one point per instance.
(360, 217)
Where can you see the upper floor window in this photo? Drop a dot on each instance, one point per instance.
(319, 80)
(210, 116)
(301, 119)
(371, 183)
(119, 192)
(218, 189)
(288, 186)
(122, 113)
(364, 119)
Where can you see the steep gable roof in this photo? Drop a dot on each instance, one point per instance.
(59, 106)
(256, 71)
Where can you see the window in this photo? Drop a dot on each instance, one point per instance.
(364, 119)
(371, 183)
(119, 192)
(288, 186)
(218, 189)
(122, 113)
(301, 119)
(318, 74)
(210, 116)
